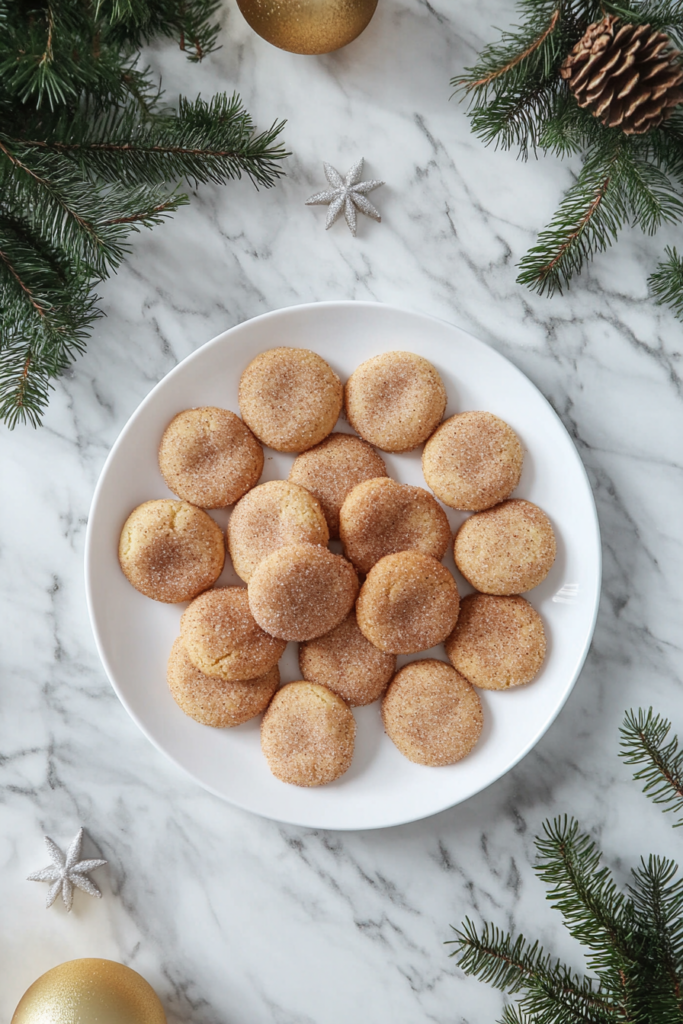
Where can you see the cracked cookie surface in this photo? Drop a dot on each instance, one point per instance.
(223, 639)
(170, 550)
(219, 703)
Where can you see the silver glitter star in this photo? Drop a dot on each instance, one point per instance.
(67, 872)
(347, 194)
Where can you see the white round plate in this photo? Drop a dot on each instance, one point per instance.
(134, 634)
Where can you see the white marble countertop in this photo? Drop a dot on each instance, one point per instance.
(233, 918)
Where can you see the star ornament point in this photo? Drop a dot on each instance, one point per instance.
(346, 195)
(67, 872)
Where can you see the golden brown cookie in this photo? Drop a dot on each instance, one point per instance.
(347, 663)
(302, 591)
(209, 457)
(171, 551)
(290, 398)
(432, 713)
(217, 702)
(395, 400)
(408, 603)
(272, 515)
(222, 638)
(508, 549)
(333, 468)
(307, 735)
(473, 461)
(380, 517)
(498, 642)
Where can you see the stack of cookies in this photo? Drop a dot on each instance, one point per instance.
(389, 594)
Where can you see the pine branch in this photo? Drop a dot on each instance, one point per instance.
(53, 53)
(515, 118)
(37, 349)
(666, 284)
(512, 62)
(587, 221)
(633, 940)
(595, 912)
(86, 157)
(189, 22)
(644, 743)
(657, 897)
(214, 141)
(517, 99)
(551, 991)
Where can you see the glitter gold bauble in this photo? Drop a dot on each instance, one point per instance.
(85, 991)
(308, 26)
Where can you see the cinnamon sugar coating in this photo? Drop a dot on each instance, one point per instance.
(498, 642)
(291, 398)
(216, 702)
(473, 461)
(432, 713)
(333, 468)
(395, 400)
(302, 591)
(170, 550)
(408, 603)
(508, 549)
(380, 517)
(347, 663)
(222, 638)
(209, 457)
(268, 517)
(307, 735)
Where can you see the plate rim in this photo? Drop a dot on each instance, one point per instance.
(88, 562)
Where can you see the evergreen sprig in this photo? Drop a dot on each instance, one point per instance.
(644, 742)
(633, 940)
(518, 100)
(88, 154)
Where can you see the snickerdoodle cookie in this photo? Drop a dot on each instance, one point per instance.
(507, 549)
(497, 642)
(395, 400)
(269, 516)
(347, 663)
(290, 398)
(380, 517)
(307, 735)
(302, 591)
(217, 702)
(333, 468)
(408, 603)
(222, 638)
(170, 550)
(209, 457)
(432, 713)
(473, 461)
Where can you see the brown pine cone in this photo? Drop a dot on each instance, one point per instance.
(627, 75)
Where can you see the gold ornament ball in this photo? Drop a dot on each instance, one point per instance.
(89, 991)
(308, 26)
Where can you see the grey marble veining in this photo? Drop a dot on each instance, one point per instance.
(233, 918)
